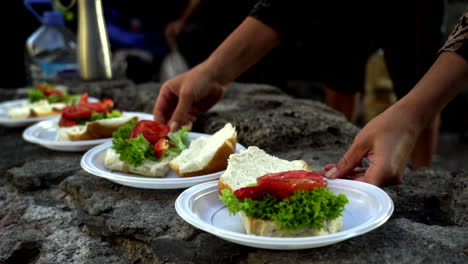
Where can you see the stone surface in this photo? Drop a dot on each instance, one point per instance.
(51, 211)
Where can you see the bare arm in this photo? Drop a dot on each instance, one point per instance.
(388, 139)
(244, 47)
(440, 84)
(186, 96)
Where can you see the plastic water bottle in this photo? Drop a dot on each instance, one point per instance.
(51, 53)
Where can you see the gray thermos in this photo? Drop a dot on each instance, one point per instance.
(94, 55)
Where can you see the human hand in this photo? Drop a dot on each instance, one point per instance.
(185, 97)
(173, 29)
(387, 142)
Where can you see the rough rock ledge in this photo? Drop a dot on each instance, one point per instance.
(51, 211)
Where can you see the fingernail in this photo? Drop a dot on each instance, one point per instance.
(189, 125)
(331, 172)
(174, 126)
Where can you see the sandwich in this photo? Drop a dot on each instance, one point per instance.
(43, 100)
(88, 121)
(206, 155)
(147, 148)
(144, 148)
(279, 198)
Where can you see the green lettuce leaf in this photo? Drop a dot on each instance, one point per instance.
(98, 116)
(120, 136)
(304, 208)
(35, 95)
(179, 139)
(134, 151)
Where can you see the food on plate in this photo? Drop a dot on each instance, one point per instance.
(88, 121)
(206, 155)
(279, 198)
(144, 148)
(43, 100)
(147, 148)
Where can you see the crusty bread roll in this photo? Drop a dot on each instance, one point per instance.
(93, 130)
(244, 169)
(206, 155)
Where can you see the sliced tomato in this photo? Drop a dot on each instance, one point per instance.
(151, 130)
(66, 122)
(83, 110)
(108, 102)
(253, 192)
(161, 145)
(282, 185)
(83, 98)
(290, 181)
(49, 90)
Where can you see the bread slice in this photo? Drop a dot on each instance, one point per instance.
(149, 168)
(206, 155)
(93, 130)
(244, 169)
(258, 227)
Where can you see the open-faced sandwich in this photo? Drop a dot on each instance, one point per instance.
(88, 121)
(43, 100)
(279, 198)
(147, 148)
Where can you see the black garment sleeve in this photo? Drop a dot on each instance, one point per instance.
(458, 40)
(289, 17)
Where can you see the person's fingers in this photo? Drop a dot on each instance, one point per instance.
(355, 173)
(350, 160)
(165, 105)
(325, 169)
(380, 174)
(182, 115)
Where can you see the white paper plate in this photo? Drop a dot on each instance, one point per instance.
(19, 122)
(43, 133)
(93, 162)
(369, 207)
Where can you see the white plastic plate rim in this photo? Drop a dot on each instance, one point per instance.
(183, 206)
(134, 180)
(29, 134)
(16, 122)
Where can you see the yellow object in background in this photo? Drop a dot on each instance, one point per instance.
(378, 87)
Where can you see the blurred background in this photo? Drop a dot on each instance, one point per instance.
(137, 32)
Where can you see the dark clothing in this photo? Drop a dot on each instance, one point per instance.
(341, 36)
(458, 40)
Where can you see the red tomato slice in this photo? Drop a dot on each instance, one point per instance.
(107, 102)
(257, 192)
(66, 122)
(83, 98)
(282, 185)
(290, 181)
(253, 192)
(151, 130)
(49, 90)
(83, 110)
(161, 145)
(75, 111)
